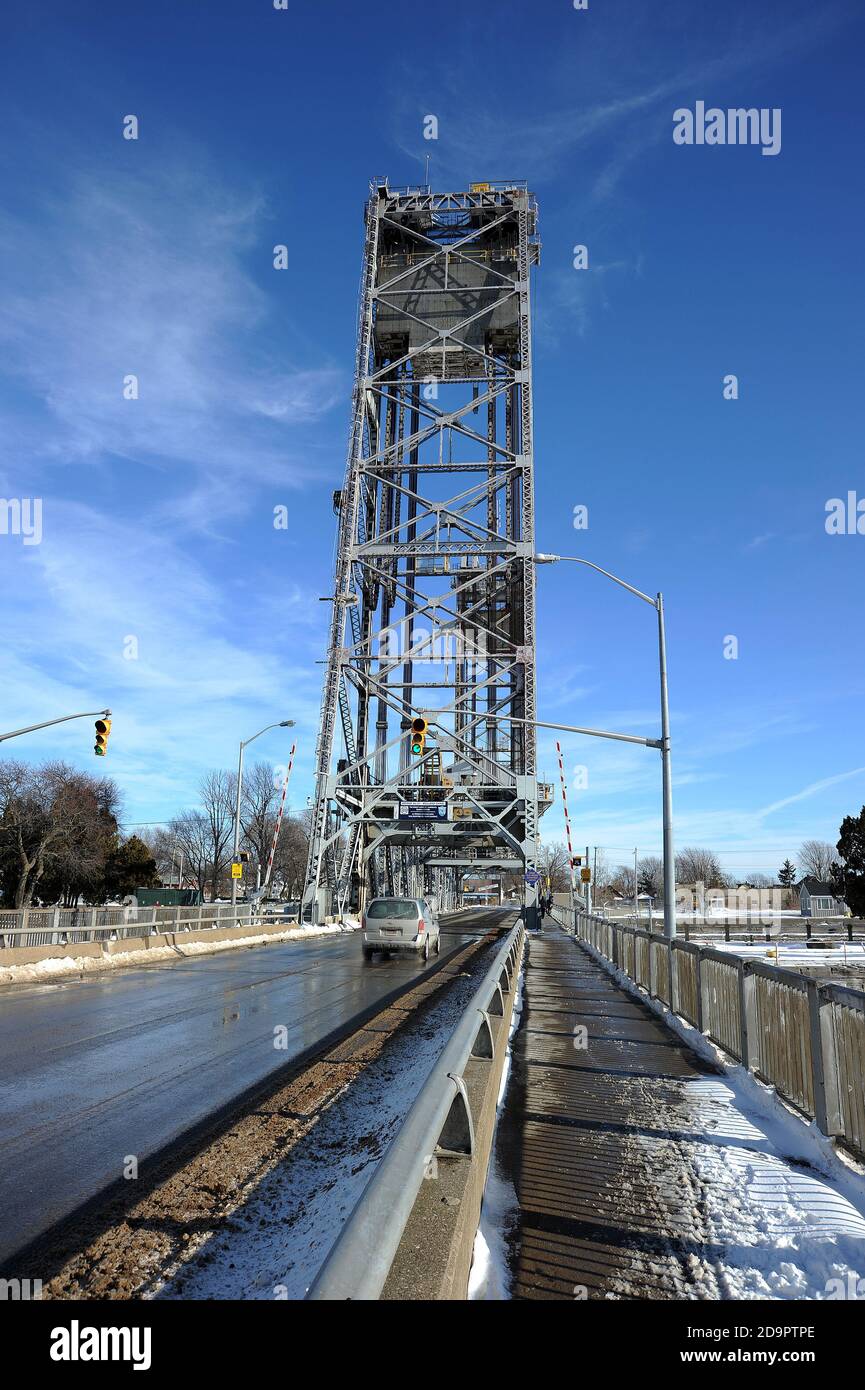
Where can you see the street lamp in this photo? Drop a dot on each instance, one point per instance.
(658, 604)
(280, 724)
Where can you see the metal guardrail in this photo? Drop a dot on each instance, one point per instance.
(752, 927)
(65, 926)
(438, 1124)
(805, 1038)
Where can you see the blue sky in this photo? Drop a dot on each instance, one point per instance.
(154, 257)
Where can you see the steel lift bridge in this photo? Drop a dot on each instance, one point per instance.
(431, 664)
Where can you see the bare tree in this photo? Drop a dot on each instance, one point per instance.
(257, 814)
(602, 873)
(76, 868)
(217, 791)
(699, 866)
(190, 831)
(650, 876)
(554, 865)
(761, 881)
(622, 881)
(816, 858)
(289, 861)
(57, 828)
(162, 843)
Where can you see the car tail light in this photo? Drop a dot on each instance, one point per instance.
(420, 925)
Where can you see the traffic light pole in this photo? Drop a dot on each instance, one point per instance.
(236, 849)
(64, 719)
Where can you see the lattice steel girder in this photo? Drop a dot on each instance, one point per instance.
(444, 335)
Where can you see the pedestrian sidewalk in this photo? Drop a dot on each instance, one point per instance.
(636, 1169)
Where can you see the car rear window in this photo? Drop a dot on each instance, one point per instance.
(392, 907)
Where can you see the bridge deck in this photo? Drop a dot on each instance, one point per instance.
(628, 1156)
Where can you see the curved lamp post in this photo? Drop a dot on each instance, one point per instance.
(280, 724)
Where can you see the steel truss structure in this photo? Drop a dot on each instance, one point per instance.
(434, 595)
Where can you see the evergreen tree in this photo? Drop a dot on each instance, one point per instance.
(129, 866)
(851, 847)
(787, 874)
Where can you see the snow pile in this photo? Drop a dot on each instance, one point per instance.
(54, 966)
(490, 1274)
(783, 1229)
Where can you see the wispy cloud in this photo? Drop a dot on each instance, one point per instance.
(154, 273)
(757, 542)
(197, 681)
(542, 143)
(145, 275)
(811, 790)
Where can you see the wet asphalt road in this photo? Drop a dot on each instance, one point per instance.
(95, 1069)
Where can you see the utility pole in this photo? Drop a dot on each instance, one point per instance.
(667, 777)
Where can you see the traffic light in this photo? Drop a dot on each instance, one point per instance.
(103, 729)
(418, 736)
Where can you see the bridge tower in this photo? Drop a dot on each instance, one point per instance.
(425, 761)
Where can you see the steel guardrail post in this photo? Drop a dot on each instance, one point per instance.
(818, 1069)
(748, 1028)
(674, 983)
(831, 1069)
(698, 988)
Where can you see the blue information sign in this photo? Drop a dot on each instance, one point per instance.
(423, 810)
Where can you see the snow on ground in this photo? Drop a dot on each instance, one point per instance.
(274, 1244)
(784, 1211)
(786, 953)
(490, 1274)
(56, 966)
(785, 915)
(722, 916)
(781, 1229)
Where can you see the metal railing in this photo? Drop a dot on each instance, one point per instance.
(66, 926)
(752, 926)
(805, 1038)
(438, 1125)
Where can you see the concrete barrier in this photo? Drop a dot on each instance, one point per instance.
(31, 955)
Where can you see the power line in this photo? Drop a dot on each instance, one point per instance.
(145, 822)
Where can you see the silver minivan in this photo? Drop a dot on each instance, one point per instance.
(400, 924)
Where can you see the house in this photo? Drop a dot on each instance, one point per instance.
(817, 899)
